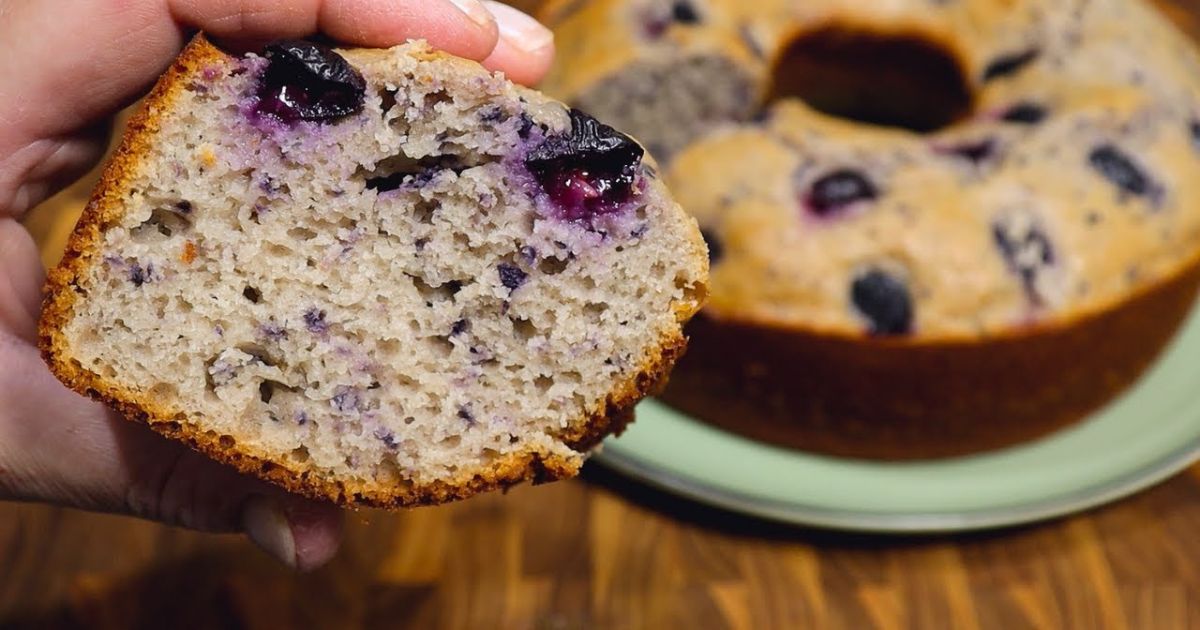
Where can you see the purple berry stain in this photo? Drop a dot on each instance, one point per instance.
(839, 190)
(884, 301)
(588, 172)
(387, 437)
(307, 81)
(137, 275)
(314, 321)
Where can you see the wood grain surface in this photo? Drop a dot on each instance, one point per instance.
(603, 552)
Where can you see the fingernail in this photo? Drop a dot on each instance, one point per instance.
(518, 29)
(268, 527)
(475, 10)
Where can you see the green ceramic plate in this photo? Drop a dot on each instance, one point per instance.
(1149, 434)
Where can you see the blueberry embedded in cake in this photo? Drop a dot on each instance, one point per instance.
(839, 191)
(307, 81)
(592, 170)
(884, 301)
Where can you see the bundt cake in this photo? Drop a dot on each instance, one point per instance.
(935, 227)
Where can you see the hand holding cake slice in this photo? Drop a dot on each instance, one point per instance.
(385, 277)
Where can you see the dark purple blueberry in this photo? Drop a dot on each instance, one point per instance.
(590, 171)
(884, 301)
(307, 81)
(1027, 251)
(1117, 167)
(657, 21)
(684, 13)
(1010, 64)
(301, 417)
(461, 326)
(464, 413)
(837, 190)
(511, 276)
(715, 249)
(314, 321)
(974, 152)
(387, 437)
(526, 128)
(1025, 114)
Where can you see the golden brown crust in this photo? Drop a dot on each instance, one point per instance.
(63, 290)
(911, 399)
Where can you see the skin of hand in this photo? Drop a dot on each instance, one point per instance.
(66, 66)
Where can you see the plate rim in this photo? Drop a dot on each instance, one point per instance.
(798, 513)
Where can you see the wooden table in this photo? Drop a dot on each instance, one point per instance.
(604, 552)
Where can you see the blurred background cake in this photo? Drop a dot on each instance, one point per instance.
(936, 228)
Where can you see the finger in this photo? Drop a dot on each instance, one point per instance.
(303, 535)
(73, 62)
(20, 281)
(525, 49)
(41, 168)
(57, 447)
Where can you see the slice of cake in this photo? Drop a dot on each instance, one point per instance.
(385, 277)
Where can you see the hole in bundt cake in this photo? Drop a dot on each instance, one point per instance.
(902, 80)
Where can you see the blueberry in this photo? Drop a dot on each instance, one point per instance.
(590, 171)
(1025, 114)
(837, 190)
(974, 152)
(314, 321)
(658, 21)
(1027, 250)
(1117, 167)
(1194, 129)
(307, 81)
(684, 13)
(137, 275)
(884, 301)
(464, 413)
(461, 326)
(511, 276)
(1010, 64)
(715, 249)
